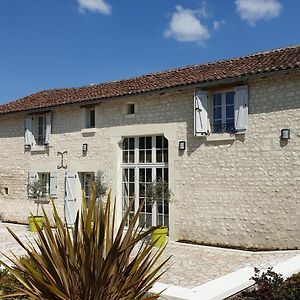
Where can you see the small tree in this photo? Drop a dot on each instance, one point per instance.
(100, 186)
(37, 191)
(157, 192)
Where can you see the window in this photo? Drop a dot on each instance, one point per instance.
(42, 184)
(130, 109)
(41, 130)
(44, 179)
(223, 112)
(145, 160)
(37, 130)
(90, 118)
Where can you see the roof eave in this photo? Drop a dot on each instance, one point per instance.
(196, 85)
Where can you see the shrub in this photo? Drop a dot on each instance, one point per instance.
(89, 262)
(271, 286)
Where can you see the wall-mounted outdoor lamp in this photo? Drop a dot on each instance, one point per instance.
(181, 145)
(285, 134)
(84, 148)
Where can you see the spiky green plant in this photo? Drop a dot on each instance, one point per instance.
(92, 261)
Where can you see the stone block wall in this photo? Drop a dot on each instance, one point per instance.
(240, 191)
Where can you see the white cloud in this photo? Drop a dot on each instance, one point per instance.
(186, 26)
(255, 10)
(95, 6)
(218, 24)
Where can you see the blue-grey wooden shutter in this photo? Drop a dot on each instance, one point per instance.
(70, 197)
(241, 108)
(200, 113)
(53, 184)
(28, 131)
(48, 128)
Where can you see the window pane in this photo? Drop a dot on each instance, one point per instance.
(148, 208)
(142, 220)
(230, 98)
(160, 208)
(165, 143)
(142, 143)
(148, 220)
(158, 174)
(230, 125)
(125, 175)
(218, 99)
(131, 175)
(125, 157)
(142, 156)
(131, 156)
(125, 189)
(166, 175)
(148, 175)
(230, 112)
(131, 189)
(159, 142)
(142, 189)
(218, 126)
(160, 220)
(149, 142)
(131, 143)
(148, 156)
(125, 144)
(142, 175)
(166, 158)
(159, 155)
(166, 220)
(218, 113)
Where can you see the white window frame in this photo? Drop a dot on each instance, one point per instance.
(136, 165)
(44, 179)
(223, 107)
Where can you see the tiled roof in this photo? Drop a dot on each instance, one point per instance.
(259, 63)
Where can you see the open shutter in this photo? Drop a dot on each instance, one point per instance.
(32, 177)
(70, 198)
(200, 113)
(53, 184)
(241, 108)
(28, 131)
(48, 128)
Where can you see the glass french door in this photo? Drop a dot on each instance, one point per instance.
(145, 160)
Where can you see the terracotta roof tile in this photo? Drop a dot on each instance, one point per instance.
(264, 62)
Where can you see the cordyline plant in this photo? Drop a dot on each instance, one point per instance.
(89, 262)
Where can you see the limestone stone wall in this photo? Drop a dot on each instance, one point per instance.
(235, 191)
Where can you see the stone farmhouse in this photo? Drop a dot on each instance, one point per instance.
(225, 135)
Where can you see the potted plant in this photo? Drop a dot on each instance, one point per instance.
(158, 193)
(38, 193)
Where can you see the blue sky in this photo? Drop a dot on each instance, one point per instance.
(65, 43)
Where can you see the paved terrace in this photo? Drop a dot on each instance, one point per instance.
(190, 266)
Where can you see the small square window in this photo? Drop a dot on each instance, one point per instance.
(131, 109)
